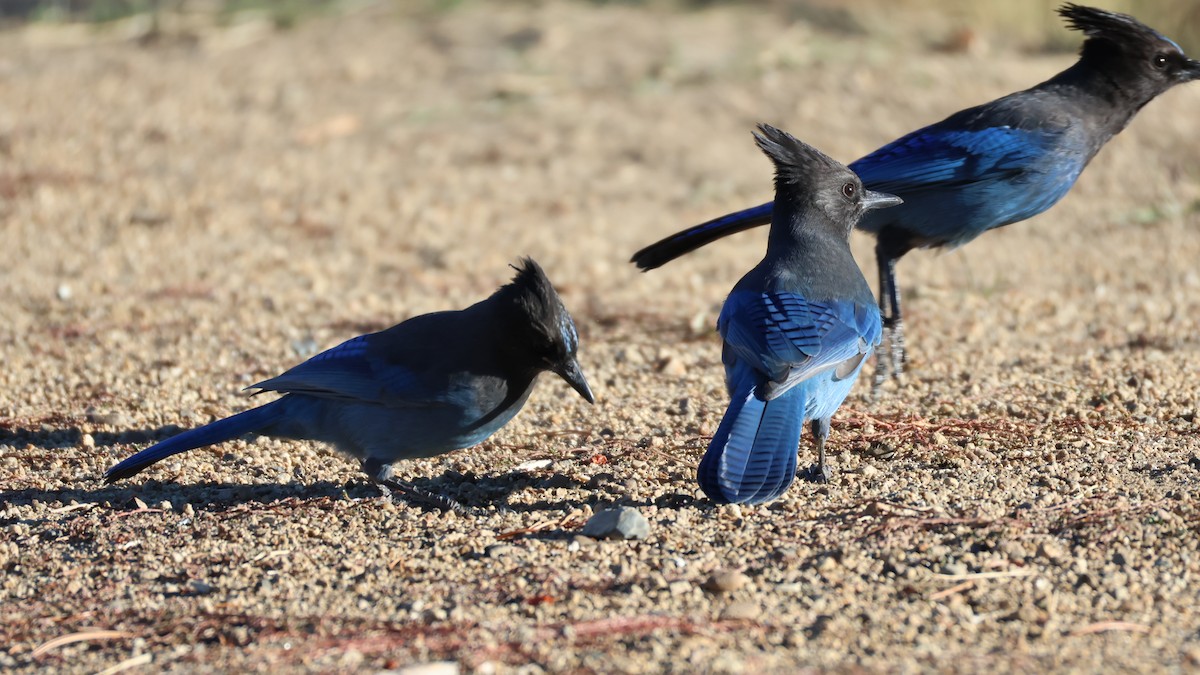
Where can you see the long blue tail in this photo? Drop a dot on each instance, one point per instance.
(246, 422)
(681, 243)
(752, 457)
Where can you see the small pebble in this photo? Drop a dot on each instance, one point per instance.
(624, 522)
(725, 581)
(1050, 550)
(679, 587)
(954, 569)
(1015, 551)
(534, 465)
(108, 419)
(674, 367)
(744, 610)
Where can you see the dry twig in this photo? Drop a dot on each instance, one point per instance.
(957, 588)
(81, 636)
(1105, 626)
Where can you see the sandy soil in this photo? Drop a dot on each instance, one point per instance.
(185, 218)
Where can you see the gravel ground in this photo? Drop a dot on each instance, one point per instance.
(184, 218)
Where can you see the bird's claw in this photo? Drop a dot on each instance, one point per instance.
(393, 489)
(818, 473)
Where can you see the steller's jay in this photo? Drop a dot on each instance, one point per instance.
(434, 383)
(994, 164)
(797, 327)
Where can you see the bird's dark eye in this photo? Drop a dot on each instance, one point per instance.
(1160, 61)
(848, 190)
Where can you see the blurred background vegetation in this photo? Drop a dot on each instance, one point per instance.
(954, 25)
(285, 13)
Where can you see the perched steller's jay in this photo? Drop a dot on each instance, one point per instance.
(797, 327)
(994, 164)
(434, 383)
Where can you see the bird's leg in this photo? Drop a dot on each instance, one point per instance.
(890, 245)
(885, 356)
(819, 472)
(384, 478)
(894, 322)
(880, 366)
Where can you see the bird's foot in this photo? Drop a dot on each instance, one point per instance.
(377, 470)
(402, 490)
(384, 477)
(818, 473)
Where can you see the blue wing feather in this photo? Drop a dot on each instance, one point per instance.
(789, 339)
(350, 372)
(940, 158)
(958, 181)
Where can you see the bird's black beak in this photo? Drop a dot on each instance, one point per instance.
(1191, 71)
(573, 374)
(879, 200)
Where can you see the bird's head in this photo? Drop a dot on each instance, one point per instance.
(809, 178)
(546, 334)
(1136, 54)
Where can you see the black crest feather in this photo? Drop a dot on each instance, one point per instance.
(795, 161)
(531, 292)
(532, 289)
(1104, 25)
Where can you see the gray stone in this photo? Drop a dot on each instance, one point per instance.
(623, 522)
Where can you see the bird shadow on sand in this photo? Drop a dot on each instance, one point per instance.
(480, 495)
(204, 496)
(477, 491)
(61, 436)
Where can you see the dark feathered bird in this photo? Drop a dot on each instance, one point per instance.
(434, 383)
(994, 164)
(796, 328)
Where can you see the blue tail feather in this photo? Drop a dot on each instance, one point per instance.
(253, 420)
(752, 457)
(681, 243)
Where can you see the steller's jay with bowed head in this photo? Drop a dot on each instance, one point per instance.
(434, 383)
(994, 164)
(797, 327)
